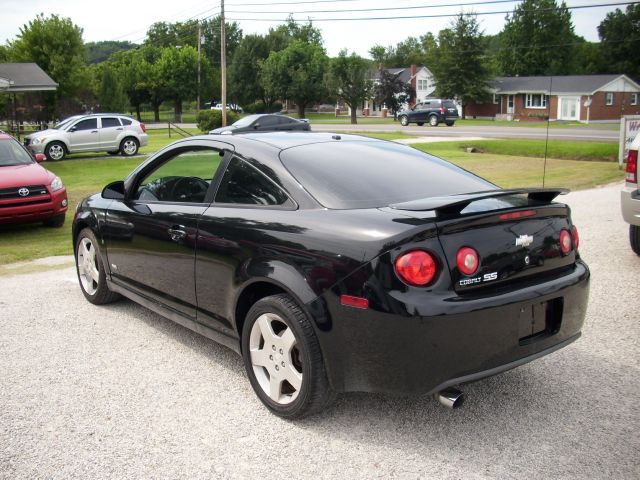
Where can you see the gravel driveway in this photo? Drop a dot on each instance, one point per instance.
(119, 392)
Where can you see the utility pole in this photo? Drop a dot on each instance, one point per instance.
(223, 65)
(199, 64)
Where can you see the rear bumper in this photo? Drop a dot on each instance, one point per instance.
(144, 139)
(36, 211)
(630, 202)
(436, 341)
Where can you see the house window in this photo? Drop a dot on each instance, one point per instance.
(634, 99)
(608, 98)
(496, 99)
(536, 100)
(423, 84)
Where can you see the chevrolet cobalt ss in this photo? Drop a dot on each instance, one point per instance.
(338, 263)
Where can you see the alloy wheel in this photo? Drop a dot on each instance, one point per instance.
(88, 266)
(56, 151)
(130, 147)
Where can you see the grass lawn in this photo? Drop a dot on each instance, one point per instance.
(505, 162)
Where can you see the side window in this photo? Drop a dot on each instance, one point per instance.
(244, 184)
(125, 121)
(184, 178)
(268, 121)
(88, 124)
(108, 122)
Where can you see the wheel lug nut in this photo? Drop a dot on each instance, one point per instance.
(273, 347)
(270, 357)
(283, 364)
(280, 351)
(277, 367)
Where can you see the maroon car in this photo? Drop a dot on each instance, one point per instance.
(28, 192)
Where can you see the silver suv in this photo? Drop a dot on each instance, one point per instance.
(631, 196)
(104, 132)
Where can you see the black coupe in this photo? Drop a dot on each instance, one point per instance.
(337, 263)
(264, 122)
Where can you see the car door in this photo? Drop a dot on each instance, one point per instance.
(110, 130)
(83, 135)
(420, 112)
(267, 123)
(240, 225)
(150, 236)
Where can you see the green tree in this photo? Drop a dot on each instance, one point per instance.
(178, 69)
(537, 40)
(461, 71)
(131, 67)
(101, 51)
(244, 71)
(348, 79)
(55, 44)
(296, 73)
(111, 95)
(391, 91)
(620, 38)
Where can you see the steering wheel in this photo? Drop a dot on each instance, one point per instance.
(186, 188)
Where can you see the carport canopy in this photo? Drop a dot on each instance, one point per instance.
(24, 77)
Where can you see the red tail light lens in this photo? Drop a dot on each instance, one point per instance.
(565, 241)
(467, 260)
(516, 215)
(143, 127)
(631, 174)
(576, 237)
(417, 268)
(442, 110)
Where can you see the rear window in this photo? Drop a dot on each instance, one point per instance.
(448, 104)
(375, 174)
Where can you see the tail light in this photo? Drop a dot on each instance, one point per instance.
(576, 237)
(467, 260)
(417, 268)
(565, 241)
(143, 127)
(442, 110)
(632, 167)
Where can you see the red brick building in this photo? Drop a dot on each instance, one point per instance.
(581, 98)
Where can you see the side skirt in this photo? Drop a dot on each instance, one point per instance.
(218, 337)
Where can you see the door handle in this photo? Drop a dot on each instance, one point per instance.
(119, 128)
(94, 131)
(176, 233)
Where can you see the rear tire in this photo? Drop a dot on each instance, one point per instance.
(91, 273)
(433, 121)
(129, 147)
(449, 124)
(404, 121)
(283, 359)
(55, 151)
(56, 221)
(634, 238)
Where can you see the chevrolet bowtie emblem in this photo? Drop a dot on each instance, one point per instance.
(524, 240)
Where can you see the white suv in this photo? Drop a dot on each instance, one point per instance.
(631, 196)
(103, 132)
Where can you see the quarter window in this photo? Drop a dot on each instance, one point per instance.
(88, 124)
(184, 178)
(536, 101)
(125, 121)
(608, 98)
(110, 122)
(244, 184)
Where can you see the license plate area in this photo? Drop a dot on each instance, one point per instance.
(539, 320)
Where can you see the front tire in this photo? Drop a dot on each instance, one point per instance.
(404, 120)
(433, 121)
(56, 221)
(634, 238)
(91, 273)
(283, 359)
(129, 147)
(55, 151)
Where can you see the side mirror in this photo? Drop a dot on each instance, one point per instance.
(256, 125)
(73, 129)
(40, 157)
(114, 191)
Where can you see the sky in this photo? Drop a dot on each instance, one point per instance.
(129, 20)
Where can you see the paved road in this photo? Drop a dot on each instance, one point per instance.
(119, 392)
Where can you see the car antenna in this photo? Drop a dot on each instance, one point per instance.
(546, 140)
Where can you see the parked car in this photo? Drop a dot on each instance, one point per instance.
(337, 263)
(631, 196)
(103, 132)
(230, 106)
(264, 122)
(432, 111)
(28, 192)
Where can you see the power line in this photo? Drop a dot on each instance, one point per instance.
(443, 15)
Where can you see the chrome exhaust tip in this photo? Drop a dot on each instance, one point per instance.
(450, 397)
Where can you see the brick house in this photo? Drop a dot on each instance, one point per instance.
(419, 77)
(581, 98)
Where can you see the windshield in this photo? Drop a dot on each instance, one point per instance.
(246, 121)
(366, 174)
(12, 153)
(66, 122)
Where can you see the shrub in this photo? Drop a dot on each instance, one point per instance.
(260, 107)
(210, 119)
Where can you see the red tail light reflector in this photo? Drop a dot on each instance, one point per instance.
(417, 268)
(143, 127)
(631, 174)
(576, 237)
(358, 302)
(565, 241)
(467, 260)
(516, 215)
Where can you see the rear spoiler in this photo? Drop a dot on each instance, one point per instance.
(454, 204)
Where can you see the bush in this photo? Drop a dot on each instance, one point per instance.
(210, 119)
(260, 107)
